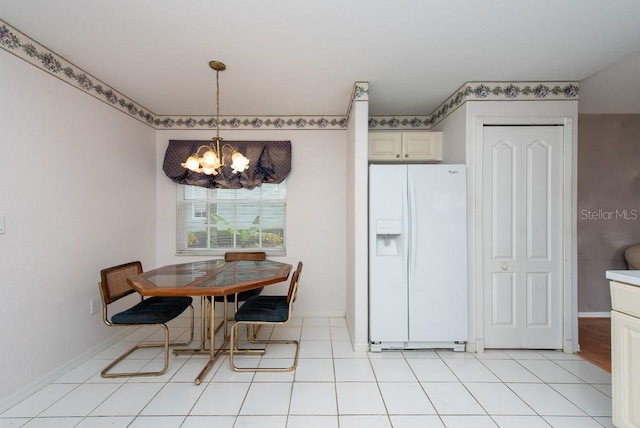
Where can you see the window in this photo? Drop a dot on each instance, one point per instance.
(213, 221)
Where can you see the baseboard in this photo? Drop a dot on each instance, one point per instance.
(317, 314)
(474, 348)
(594, 314)
(29, 389)
(361, 347)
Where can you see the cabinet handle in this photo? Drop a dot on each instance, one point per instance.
(397, 155)
(406, 155)
(504, 266)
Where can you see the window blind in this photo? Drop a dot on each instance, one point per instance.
(213, 221)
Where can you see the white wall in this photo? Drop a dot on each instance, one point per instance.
(316, 212)
(77, 192)
(357, 230)
(614, 90)
(453, 136)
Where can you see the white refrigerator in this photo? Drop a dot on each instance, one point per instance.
(417, 256)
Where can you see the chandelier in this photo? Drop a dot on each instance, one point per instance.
(213, 157)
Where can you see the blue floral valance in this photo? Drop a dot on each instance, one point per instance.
(269, 162)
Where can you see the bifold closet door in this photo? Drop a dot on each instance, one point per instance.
(522, 236)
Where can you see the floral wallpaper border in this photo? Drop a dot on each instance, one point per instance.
(250, 122)
(31, 51)
(360, 93)
(18, 44)
(482, 91)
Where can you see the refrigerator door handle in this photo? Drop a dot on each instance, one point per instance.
(411, 232)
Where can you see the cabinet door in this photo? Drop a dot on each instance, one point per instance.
(422, 146)
(625, 369)
(385, 146)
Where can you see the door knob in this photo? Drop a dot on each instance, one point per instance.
(504, 266)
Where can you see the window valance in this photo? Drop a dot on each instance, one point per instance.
(269, 162)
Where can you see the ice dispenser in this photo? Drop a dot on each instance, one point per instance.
(388, 235)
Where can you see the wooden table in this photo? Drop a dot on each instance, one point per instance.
(209, 278)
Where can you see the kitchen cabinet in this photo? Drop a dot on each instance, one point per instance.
(625, 347)
(405, 146)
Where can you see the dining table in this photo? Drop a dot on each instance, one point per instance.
(209, 278)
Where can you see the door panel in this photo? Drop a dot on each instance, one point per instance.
(438, 290)
(503, 186)
(538, 203)
(522, 236)
(538, 295)
(388, 313)
(500, 233)
(503, 299)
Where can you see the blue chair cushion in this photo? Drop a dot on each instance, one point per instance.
(242, 296)
(264, 308)
(153, 310)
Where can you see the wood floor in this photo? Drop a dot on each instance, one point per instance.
(595, 341)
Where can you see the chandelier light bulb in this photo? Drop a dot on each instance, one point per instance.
(238, 162)
(209, 171)
(192, 164)
(210, 160)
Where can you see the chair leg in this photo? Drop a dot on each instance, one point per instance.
(253, 335)
(191, 328)
(233, 348)
(166, 345)
(226, 318)
(107, 374)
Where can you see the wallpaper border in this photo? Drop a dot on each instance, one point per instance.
(20, 45)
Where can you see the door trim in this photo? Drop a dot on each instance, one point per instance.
(569, 226)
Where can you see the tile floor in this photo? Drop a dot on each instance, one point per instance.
(332, 387)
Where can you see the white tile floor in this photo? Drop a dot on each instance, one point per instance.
(332, 387)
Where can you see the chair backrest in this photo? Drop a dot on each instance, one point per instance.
(245, 255)
(293, 286)
(114, 285)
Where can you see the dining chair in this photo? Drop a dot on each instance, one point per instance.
(266, 310)
(243, 295)
(152, 311)
(238, 256)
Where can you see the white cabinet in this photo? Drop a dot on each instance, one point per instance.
(625, 350)
(405, 146)
(626, 374)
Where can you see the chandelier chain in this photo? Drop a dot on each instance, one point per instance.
(212, 160)
(217, 106)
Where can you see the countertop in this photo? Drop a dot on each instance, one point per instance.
(627, 276)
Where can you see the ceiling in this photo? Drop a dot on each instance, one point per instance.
(292, 57)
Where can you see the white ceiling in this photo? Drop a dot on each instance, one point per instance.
(302, 57)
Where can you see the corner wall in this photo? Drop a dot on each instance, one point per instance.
(77, 190)
(357, 227)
